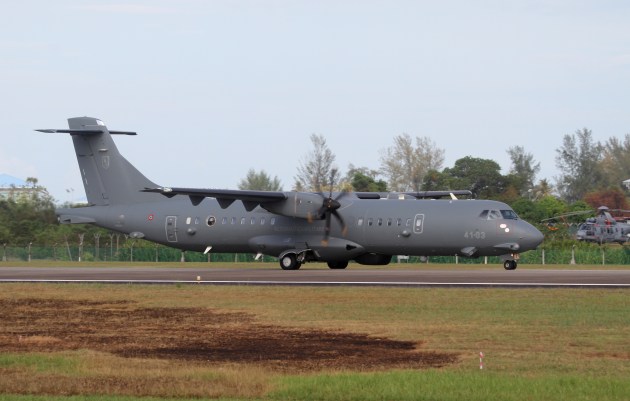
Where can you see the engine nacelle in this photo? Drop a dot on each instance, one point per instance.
(298, 204)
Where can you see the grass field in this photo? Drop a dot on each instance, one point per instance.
(539, 344)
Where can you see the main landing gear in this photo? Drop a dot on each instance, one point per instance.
(509, 264)
(291, 261)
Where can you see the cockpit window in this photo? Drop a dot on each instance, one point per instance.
(493, 215)
(509, 214)
(496, 215)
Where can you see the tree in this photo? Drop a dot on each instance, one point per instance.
(615, 162)
(315, 169)
(362, 179)
(528, 210)
(523, 168)
(436, 181)
(542, 189)
(613, 198)
(578, 160)
(260, 181)
(550, 206)
(30, 217)
(481, 176)
(406, 166)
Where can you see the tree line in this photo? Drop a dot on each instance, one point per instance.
(591, 174)
(416, 164)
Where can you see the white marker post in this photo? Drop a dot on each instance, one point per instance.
(480, 360)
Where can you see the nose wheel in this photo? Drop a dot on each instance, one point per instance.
(509, 264)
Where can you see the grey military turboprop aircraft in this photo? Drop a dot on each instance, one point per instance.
(295, 227)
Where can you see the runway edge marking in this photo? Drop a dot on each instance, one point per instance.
(326, 283)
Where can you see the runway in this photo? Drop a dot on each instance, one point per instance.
(353, 276)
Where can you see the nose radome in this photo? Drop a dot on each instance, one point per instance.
(532, 237)
(538, 237)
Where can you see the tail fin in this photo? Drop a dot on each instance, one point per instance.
(108, 177)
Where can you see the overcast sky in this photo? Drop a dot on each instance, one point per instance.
(215, 88)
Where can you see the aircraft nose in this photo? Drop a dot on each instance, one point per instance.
(531, 238)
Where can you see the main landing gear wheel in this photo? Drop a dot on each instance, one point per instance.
(289, 262)
(338, 265)
(509, 265)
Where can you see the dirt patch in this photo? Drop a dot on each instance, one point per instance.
(197, 335)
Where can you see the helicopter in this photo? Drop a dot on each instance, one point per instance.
(603, 228)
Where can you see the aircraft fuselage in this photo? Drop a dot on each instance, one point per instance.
(376, 226)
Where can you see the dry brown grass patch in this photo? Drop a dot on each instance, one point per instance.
(120, 347)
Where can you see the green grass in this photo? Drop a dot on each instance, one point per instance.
(436, 385)
(444, 385)
(63, 364)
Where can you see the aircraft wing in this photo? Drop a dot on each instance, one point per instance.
(418, 195)
(225, 197)
(439, 194)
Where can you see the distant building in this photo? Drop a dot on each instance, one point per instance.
(15, 188)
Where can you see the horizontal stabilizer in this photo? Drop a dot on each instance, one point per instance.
(84, 131)
(70, 219)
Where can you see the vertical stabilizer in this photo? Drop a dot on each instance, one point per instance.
(108, 177)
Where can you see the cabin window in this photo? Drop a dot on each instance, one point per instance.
(380, 221)
(360, 221)
(188, 220)
(224, 220)
(272, 221)
(370, 222)
(196, 220)
(389, 222)
(408, 223)
(252, 221)
(233, 221)
(484, 215)
(242, 220)
(399, 222)
(211, 220)
(262, 221)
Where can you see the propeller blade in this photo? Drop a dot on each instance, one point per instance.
(326, 229)
(344, 229)
(341, 195)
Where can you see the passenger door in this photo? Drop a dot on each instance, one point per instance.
(171, 228)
